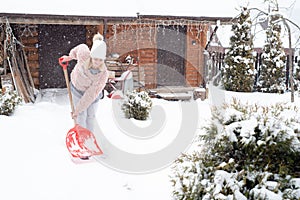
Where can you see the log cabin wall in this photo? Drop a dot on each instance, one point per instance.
(134, 40)
(139, 40)
(126, 39)
(91, 30)
(196, 41)
(30, 41)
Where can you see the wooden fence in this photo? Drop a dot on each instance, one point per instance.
(215, 61)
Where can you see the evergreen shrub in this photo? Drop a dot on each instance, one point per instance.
(137, 105)
(246, 152)
(9, 100)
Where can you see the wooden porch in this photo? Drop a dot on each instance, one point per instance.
(178, 93)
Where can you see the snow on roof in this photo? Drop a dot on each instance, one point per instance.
(130, 8)
(120, 8)
(211, 8)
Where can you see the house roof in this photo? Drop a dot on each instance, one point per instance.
(94, 20)
(23, 18)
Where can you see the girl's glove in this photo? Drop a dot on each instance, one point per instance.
(73, 115)
(65, 58)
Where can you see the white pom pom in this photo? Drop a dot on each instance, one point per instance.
(98, 36)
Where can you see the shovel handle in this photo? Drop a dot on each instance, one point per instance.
(65, 69)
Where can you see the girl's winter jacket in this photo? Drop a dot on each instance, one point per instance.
(84, 80)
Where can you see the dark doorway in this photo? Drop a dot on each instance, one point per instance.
(171, 44)
(55, 41)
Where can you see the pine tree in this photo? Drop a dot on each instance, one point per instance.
(272, 75)
(238, 73)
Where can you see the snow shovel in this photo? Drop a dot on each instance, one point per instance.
(80, 142)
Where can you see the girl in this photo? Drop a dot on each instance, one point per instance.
(88, 80)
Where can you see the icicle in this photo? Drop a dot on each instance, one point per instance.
(164, 27)
(190, 28)
(129, 28)
(141, 28)
(157, 26)
(128, 25)
(2, 32)
(114, 27)
(155, 30)
(122, 32)
(150, 33)
(199, 30)
(171, 23)
(177, 28)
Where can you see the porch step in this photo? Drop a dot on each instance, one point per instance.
(174, 89)
(175, 96)
(177, 93)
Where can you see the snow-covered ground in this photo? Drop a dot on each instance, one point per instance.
(36, 163)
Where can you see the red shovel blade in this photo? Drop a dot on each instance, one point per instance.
(82, 143)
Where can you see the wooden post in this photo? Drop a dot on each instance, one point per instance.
(290, 62)
(138, 54)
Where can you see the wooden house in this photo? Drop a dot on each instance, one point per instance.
(166, 50)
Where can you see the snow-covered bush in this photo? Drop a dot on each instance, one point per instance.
(8, 102)
(251, 152)
(137, 105)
